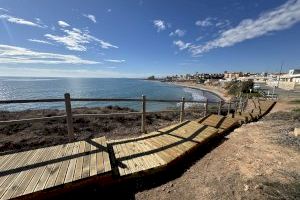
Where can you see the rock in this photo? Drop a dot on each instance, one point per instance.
(297, 132)
(246, 187)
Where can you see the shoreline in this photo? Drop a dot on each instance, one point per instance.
(219, 93)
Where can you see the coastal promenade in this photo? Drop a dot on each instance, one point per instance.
(44, 172)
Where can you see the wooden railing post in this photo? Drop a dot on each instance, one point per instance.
(143, 124)
(220, 107)
(229, 107)
(69, 116)
(206, 108)
(182, 110)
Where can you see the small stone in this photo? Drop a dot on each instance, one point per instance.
(246, 187)
(258, 186)
(297, 132)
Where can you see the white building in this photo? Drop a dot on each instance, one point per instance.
(292, 76)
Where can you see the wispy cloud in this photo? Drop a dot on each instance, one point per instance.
(3, 9)
(114, 61)
(16, 20)
(20, 55)
(204, 23)
(63, 24)
(77, 40)
(160, 25)
(109, 10)
(90, 17)
(40, 41)
(181, 45)
(110, 72)
(178, 32)
(280, 18)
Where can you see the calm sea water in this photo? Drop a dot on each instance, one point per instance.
(34, 88)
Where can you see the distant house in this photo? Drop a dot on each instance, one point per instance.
(292, 76)
(232, 75)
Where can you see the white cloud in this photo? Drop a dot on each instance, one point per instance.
(40, 41)
(63, 24)
(21, 21)
(20, 55)
(109, 10)
(77, 40)
(280, 18)
(204, 23)
(3, 9)
(110, 72)
(181, 45)
(114, 61)
(90, 17)
(178, 32)
(159, 24)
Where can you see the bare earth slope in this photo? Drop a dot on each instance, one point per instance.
(259, 160)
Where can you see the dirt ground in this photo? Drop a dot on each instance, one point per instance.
(259, 160)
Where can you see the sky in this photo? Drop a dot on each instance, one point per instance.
(139, 38)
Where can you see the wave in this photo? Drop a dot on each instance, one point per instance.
(197, 95)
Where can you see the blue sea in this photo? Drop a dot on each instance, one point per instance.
(37, 88)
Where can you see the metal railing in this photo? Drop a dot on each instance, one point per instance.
(69, 116)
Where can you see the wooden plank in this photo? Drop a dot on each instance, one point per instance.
(139, 162)
(72, 164)
(93, 161)
(131, 164)
(79, 162)
(107, 164)
(167, 154)
(14, 186)
(99, 156)
(154, 146)
(48, 169)
(86, 161)
(150, 160)
(56, 167)
(35, 180)
(147, 147)
(7, 180)
(64, 166)
(122, 165)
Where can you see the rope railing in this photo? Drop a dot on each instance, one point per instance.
(69, 115)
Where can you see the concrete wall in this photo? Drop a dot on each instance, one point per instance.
(282, 84)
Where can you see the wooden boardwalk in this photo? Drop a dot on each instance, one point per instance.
(36, 170)
(159, 148)
(29, 173)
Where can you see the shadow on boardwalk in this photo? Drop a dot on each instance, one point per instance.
(126, 189)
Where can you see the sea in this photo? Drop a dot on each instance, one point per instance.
(12, 88)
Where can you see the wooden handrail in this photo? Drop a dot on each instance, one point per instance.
(69, 115)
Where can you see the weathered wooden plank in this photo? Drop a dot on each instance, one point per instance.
(99, 156)
(35, 180)
(79, 162)
(45, 175)
(93, 161)
(107, 164)
(16, 187)
(7, 180)
(72, 164)
(64, 166)
(86, 161)
(55, 169)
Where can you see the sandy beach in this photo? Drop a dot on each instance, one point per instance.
(216, 90)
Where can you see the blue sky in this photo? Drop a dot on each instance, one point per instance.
(138, 38)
